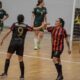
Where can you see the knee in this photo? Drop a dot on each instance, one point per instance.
(55, 60)
(9, 56)
(36, 33)
(20, 58)
(41, 35)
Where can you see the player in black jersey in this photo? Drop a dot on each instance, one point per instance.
(3, 17)
(19, 30)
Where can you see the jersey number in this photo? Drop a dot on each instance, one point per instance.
(20, 31)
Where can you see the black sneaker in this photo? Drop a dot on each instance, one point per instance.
(3, 75)
(21, 78)
(57, 77)
(60, 77)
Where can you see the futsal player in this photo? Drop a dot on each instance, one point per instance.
(58, 34)
(3, 17)
(19, 30)
(39, 16)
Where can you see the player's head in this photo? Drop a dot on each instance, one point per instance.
(60, 22)
(20, 18)
(0, 4)
(40, 2)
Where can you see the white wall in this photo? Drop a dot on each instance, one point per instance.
(77, 3)
(56, 9)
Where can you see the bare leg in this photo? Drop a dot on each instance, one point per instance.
(40, 36)
(36, 40)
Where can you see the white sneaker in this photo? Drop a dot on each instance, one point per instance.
(36, 48)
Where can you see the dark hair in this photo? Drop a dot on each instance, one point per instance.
(62, 22)
(39, 2)
(20, 18)
(0, 4)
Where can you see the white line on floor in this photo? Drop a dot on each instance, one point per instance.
(43, 58)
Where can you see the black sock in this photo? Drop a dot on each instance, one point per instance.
(22, 68)
(59, 68)
(7, 63)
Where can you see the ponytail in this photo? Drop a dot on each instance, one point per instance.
(39, 2)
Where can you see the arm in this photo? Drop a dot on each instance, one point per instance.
(45, 18)
(5, 37)
(29, 28)
(32, 19)
(5, 16)
(44, 25)
(67, 42)
(11, 28)
(50, 29)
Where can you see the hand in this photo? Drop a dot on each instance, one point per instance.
(35, 29)
(45, 25)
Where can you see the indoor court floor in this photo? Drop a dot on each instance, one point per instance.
(38, 64)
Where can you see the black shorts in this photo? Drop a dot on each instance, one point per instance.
(42, 30)
(16, 46)
(56, 54)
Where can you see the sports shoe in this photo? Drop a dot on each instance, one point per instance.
(60, 77)
(3, 75)
(35, 48)
(21, 78)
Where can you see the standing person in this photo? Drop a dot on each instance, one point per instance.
(19, 30)
(3, 17)
(39, 16)
(58, 33)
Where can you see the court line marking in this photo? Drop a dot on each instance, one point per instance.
(43, 58)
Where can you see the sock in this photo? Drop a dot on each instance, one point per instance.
(22, 69)
(7, 63)
(36, 42)
(59, 68)
(39, 43)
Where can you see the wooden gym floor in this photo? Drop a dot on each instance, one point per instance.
(38, 65)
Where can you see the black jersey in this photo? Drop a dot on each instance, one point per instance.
(3, 13)
(39, 15)
(18, 36)
(19, 31)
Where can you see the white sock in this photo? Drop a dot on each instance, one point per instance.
(35, 43)
(39, 42)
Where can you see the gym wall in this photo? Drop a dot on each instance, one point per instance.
(56, 9)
